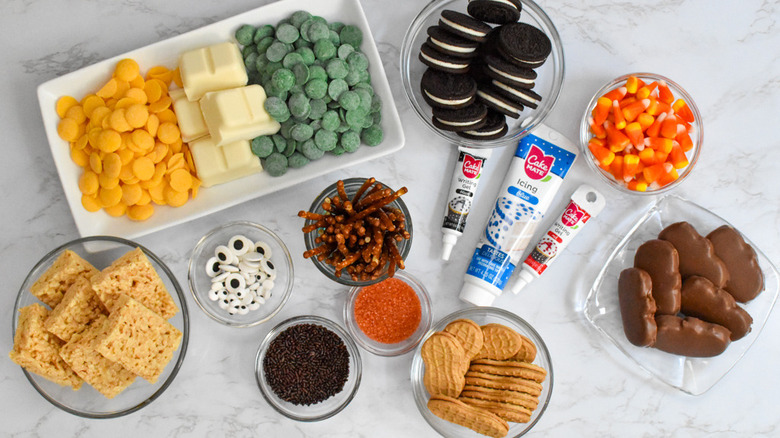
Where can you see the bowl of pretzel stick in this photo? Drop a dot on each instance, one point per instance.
(358, 231)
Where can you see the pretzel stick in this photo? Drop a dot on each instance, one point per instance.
(366, 184)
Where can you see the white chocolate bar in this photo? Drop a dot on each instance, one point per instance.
(191, 123)
(237, 114)
(212, 68)
(220, 164)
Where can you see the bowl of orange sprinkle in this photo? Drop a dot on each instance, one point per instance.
(389, 318)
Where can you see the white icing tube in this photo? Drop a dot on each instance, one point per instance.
(585, 204)
(536, 173)
(465, 178)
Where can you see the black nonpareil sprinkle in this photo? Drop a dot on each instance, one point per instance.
(306, 364)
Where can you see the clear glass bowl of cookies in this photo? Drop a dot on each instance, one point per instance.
(100, 252)
(387, 263)
(537, 385)
(261, 268)
(308, 368)
(692, 375)
(678, 166)
(548, 82)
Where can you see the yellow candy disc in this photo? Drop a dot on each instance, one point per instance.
(64, 103)
(90, 203)
(131, 193)
(88, 183)
(109, 140)
(140, 212)
(143, 168)
(181, 180)
(68, 129)
(110, 197)
(127, 69)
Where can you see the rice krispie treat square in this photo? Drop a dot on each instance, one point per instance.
(108, 377)
(37, 350)
(78, 307)
(133, 275)
(137, 338)
(52, 285)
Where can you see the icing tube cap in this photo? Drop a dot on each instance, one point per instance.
(476, 295)
(448, 243)
(520, 281)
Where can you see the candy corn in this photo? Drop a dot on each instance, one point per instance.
(641, 134)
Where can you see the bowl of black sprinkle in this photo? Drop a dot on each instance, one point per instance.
(308, 368)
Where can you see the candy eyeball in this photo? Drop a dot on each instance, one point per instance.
(241, 274)
(240, 245)
(235, 282)
(223, 254)
(212, 267)
(263, 249)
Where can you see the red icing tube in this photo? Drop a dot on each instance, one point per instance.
(585, 204)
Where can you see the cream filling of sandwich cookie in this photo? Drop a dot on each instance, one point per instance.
(485, 133)
(463, 29)
(452, 48)
(498, 102)
(515, 92)
(508, 76)
(506, 2)
(445, 101)
(443, 63)
(528, 62)
(444, 122)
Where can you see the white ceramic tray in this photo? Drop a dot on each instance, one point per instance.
(212, 199)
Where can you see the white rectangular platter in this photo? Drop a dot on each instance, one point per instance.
(212, 199)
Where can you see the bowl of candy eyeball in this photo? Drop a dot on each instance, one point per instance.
(241, 274)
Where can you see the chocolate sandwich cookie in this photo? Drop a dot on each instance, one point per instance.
(468, 118)
(522, 96)
(464, 26)
(495, 11)
(451, 44)
(439, 61)
(523, 44)
(494, 127)
(445, 90)
(493, 98)
(498, 68)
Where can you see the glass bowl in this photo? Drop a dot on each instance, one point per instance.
(87, 402)
(602, 309)
(697, 134)
(351, 186)
(482, 316)
(398, 348)
(548, 82)
(200, 282)
(328, 407)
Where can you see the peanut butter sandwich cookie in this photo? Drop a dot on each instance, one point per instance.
(510, 383)
(444, 359)
(469, 333)
(527, 352)
(501, 395)
(501, 342)
(476, 419)
(509, 368)
(507, 411)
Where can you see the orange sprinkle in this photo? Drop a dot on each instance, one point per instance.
(389, 311)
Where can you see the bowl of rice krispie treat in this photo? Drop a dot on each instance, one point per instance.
(100, 327)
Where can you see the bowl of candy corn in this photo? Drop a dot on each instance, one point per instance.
(642, 133)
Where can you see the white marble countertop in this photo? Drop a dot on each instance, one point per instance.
(726, 57)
